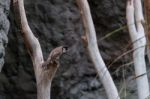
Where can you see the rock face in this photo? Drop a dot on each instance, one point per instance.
(55, 23)
(4, 28)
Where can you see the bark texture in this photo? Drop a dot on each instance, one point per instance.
(90, 40)
(44, 70)
(135, 21)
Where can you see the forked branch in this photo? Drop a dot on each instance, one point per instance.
(135, 21)
(44, 71)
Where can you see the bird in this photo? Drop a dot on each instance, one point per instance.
(56, 53)
(54, 56)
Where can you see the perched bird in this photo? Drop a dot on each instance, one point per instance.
(56, 53)
(54, 56)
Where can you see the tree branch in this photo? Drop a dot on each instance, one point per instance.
(139, 54)
(44, 71)
(92, 47)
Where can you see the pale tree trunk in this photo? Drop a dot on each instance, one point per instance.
(90, 41)
(135, 21)
(44, 71)
(147, 25)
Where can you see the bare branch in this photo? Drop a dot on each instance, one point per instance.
(139, 54)
(92, 47)
(131, 23)
(31, 41)
(44, 71)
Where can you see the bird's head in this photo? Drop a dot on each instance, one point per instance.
(64, 49)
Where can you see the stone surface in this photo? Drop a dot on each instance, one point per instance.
(4, 28)
(55, 23)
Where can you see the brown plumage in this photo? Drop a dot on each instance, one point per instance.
(54, 56)
(56, 53)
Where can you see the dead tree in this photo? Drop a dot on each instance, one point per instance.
(90, 42)
(44, 70)
(135, 22)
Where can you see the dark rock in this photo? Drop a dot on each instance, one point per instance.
(4, 28)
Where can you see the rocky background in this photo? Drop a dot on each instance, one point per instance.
(55, 23)
(4, 28)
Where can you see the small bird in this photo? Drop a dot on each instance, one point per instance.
(56, 53)
(54, 56)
